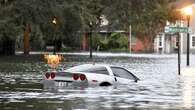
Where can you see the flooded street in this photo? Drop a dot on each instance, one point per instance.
(159, 87)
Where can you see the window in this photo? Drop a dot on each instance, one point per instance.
(176, 42)
(90, 69)
(160, 41)
(123, 73)
(193, 41)
(98, 69)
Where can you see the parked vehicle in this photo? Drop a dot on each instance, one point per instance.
(92, 75)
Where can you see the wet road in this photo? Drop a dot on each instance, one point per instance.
(160, 86)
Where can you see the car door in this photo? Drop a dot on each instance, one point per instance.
(122, 75)
(99, 73)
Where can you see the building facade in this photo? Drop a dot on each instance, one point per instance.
(167, 43)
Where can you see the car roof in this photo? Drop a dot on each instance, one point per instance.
(86, 66)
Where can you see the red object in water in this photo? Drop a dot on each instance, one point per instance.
(53, 75)
(82, 77)
(75, 76)
(47, 75)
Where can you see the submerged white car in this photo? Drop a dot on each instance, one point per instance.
(92, 74)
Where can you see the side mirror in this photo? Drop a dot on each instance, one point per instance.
(136, 79)
(115, 79)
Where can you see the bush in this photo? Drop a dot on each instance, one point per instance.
(67, 49)
(115, 41)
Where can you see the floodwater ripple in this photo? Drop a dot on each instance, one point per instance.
(160, 87)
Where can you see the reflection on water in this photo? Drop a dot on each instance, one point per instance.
(160, 87)
(188, 74)
(187, 93)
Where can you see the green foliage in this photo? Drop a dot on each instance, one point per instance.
(8, 27)
(7, 31)
(96, 41)
(104, 44)
(90, 12)
(147, 17)
(119, 13)
(72, 16)
(37, 41)
(116, 41)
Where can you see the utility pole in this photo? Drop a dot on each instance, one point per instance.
(54, 21)
(130, 38)
(188, 12)
(179, 54)
(90, 39)
(188, 41)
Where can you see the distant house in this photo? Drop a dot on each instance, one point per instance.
(136, 45)
(167, 43)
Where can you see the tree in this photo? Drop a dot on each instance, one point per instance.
(89, 11)
(151, 20)
(118, 13)
(8, 28)
(33, 15)
(147, 17)
(35, 18)
(73, 17)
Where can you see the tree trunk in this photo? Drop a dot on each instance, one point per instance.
(26, 39)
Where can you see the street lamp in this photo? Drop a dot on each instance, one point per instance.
(90, 39)
(54, 21)
(53, 59)
(188, 13)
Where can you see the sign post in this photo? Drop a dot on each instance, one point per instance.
(177, 30)
(179, 55)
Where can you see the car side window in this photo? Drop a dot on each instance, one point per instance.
(121, 72)
(98, 69)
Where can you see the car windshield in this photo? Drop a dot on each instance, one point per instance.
(90, 69)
